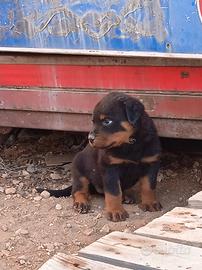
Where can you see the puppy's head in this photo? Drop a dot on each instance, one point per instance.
(116, 118)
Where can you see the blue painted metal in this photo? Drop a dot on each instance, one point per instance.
(132, 25)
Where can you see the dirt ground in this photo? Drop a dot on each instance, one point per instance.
(33, 229)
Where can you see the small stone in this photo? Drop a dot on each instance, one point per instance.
(5, 253)
(10, 191)
(4, 175)
(8, 246)
(160, 177)
(4, 228)
(105, 229)
(45, 194)
(21, 185)
(196, 164)
(169, 172)
(180, 199)
(55, 176)
(174, 175)
(88, 232)
(67, 167)
(25, 173)
(22, 262)
(1, 189)
(98, 216)
(49, 247)
(77, 243)
(37, 198)
(127, 230)
(34, 191)
(69, 226)
(15, 182)
(31, 168)
(21, 232)
(22, 258)
(58, 206)
(198, 180)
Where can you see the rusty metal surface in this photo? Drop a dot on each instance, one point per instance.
(46, 120)
(54, 59)
(181, 106)
(190, 129)
(178, 128)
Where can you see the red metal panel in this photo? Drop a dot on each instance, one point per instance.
(158, 105)
(103, 77)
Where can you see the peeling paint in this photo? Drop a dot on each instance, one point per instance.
(120, 25)
(83, 22)
(98, 25)
(61, 21)
(152, 23)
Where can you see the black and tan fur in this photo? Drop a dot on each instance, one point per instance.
(123, 149)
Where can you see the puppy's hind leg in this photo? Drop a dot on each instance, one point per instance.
(80, 193)
(128, 196)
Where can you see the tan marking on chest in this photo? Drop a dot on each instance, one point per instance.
(115, 160)
(150, 159)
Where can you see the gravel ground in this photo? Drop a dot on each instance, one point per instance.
(33, 227)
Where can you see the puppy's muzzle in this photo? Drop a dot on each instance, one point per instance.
(91, 137)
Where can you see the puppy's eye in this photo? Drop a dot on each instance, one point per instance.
(107, 122)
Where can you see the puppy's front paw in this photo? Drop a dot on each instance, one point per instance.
(151, 206)
(117, 215)
(82, 207)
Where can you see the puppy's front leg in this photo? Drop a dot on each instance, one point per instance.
(80, 194)
(148, 186)
(113, 195)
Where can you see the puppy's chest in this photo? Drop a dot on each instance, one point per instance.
(129, 175)
(125, 156)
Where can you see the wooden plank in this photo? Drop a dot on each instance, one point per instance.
(66, 262)
(139, 252)
(58, 160)
(181, 225)
(196, 200)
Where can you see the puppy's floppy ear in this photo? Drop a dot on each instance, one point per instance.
(134, 109)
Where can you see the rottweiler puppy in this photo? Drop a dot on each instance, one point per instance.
(123, 149)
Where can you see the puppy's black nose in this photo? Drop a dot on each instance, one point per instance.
(91, 137)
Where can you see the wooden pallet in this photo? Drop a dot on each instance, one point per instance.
(171, 242)
(196, 200)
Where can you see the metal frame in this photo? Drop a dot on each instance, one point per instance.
(101, 53)
(37, 101)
